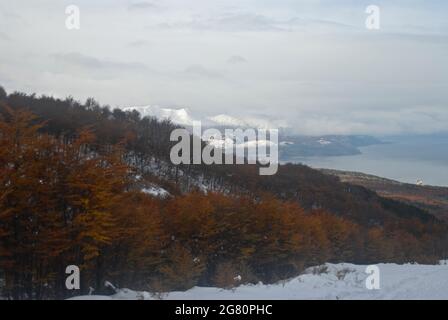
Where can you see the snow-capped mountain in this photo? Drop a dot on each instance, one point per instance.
(178, 116)
(291, 145)
(182, 116)
(247, 122)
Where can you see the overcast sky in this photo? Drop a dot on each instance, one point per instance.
(311, 64)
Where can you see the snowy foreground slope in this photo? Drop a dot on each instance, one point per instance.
(331, 281)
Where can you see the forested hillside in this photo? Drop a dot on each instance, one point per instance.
(71, 193)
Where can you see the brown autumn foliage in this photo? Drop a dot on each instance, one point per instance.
(72, 201)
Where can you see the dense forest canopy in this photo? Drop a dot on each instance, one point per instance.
(70, 193)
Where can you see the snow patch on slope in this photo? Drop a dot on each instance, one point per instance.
(156, 191)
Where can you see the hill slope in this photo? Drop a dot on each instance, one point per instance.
(430, 198)
(82, 183)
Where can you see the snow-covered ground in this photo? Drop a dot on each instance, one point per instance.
(331, 281)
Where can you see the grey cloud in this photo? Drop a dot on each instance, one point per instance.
(310, 62)
(417, 120)
(244, 21)
(199, 70)
(298, 22)
(236, 60)
(441, 39)
(144, 5)
(94, 68)
(256, 22)
(8, 14)
(88, 62)
(4, 36)
(138, 43)
(230, 22)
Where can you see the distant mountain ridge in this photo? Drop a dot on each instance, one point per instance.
(290, 146)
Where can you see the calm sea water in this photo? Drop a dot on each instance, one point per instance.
(403, 159)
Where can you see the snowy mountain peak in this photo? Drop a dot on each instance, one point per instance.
(177, 116)
(182, 117)
(247, 122)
